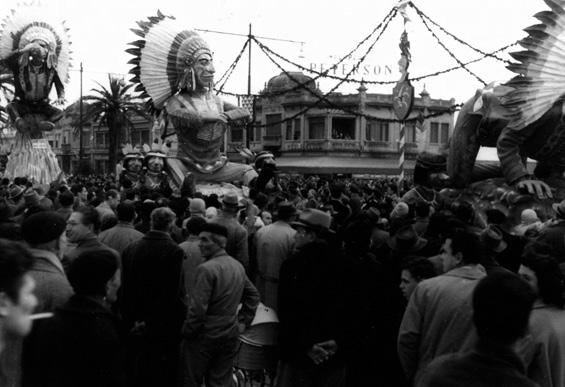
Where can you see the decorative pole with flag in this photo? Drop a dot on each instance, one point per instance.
(403, 92)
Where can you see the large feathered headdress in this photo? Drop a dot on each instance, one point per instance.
(32, 22)
(163, 57)
(541, 68)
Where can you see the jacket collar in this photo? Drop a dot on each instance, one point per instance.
(156, 234)
(48, 256)
(468, 272)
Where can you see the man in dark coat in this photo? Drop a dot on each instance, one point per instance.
(81, 345)
(311, 308)
(152, 300)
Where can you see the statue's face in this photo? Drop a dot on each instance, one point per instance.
(134, 165)
(38, 52)
(204, 70)
(155, 164)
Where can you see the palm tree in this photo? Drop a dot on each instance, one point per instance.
(114, 107)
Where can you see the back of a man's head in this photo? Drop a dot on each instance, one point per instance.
(126, 211)
(467, 243)
(162, 218)
(501, 308)
(66, 199)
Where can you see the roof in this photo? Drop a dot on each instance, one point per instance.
(330, 165)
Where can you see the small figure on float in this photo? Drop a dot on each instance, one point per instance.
(35, 47)
(132, 164)
(154, 177)
(430, 177)
(174, 69)
(522, 118)
(266, 168)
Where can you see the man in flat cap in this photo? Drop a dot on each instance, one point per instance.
(213, 324)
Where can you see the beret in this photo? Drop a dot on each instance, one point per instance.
(43, 227)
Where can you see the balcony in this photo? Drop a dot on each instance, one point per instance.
(315, 145)
(345, 145)
(272, 141)
(377, 146)
(292, 146)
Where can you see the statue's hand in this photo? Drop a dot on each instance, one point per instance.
(535, 187)
(60, 101)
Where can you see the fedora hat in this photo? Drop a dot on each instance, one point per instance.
(313, 219)
(230, 199)
(406, 240)
(492, 239)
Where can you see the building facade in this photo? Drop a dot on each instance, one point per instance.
(65, 141)
(351, 134)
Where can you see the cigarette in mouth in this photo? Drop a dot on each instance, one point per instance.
(39, 316)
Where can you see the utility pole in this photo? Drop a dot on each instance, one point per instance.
(80, 149)
(250, 37)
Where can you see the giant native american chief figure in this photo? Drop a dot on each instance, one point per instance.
(174, 69)
(523, 117)
(35, 47)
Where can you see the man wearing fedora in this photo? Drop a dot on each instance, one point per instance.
(311, 307)
(237, 245)
(438, 318)
(553, 233)
(274, 245)
(405, 242)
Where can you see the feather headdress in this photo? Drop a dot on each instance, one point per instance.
(32, 22)
(541, 68)
(162, 56)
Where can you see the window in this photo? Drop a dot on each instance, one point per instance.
(377, 131)
(444, 133)
(100, 139)
(316, 128)
(439, 134)
(236, 134)
(274, 125)
(288, 130)
(297, 129)
(410, 132)
(343, 128)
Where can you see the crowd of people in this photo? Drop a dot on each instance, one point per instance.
(373, 284)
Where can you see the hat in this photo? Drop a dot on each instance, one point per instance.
(90, 272)
(406, 240)
(230, 199)
(559, 208)
(261, 156)
(313, 219)
(215, 228)
(197, 206)
(43, 227)
(286, 209)
(211, 212)
(433, 162)
(31, 198)
(400, 210)
(492, 239)
(15, 192)
(529, 216)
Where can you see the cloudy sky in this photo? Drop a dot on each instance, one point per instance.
(328, 29)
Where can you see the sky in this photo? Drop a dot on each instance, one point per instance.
(328, 29)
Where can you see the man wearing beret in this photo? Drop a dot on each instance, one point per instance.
(213, 324)
(43, 231)
(44, 234)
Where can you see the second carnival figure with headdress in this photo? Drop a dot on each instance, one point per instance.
(35, 47)
(132, 164)
(154, 178)
(174, 69)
